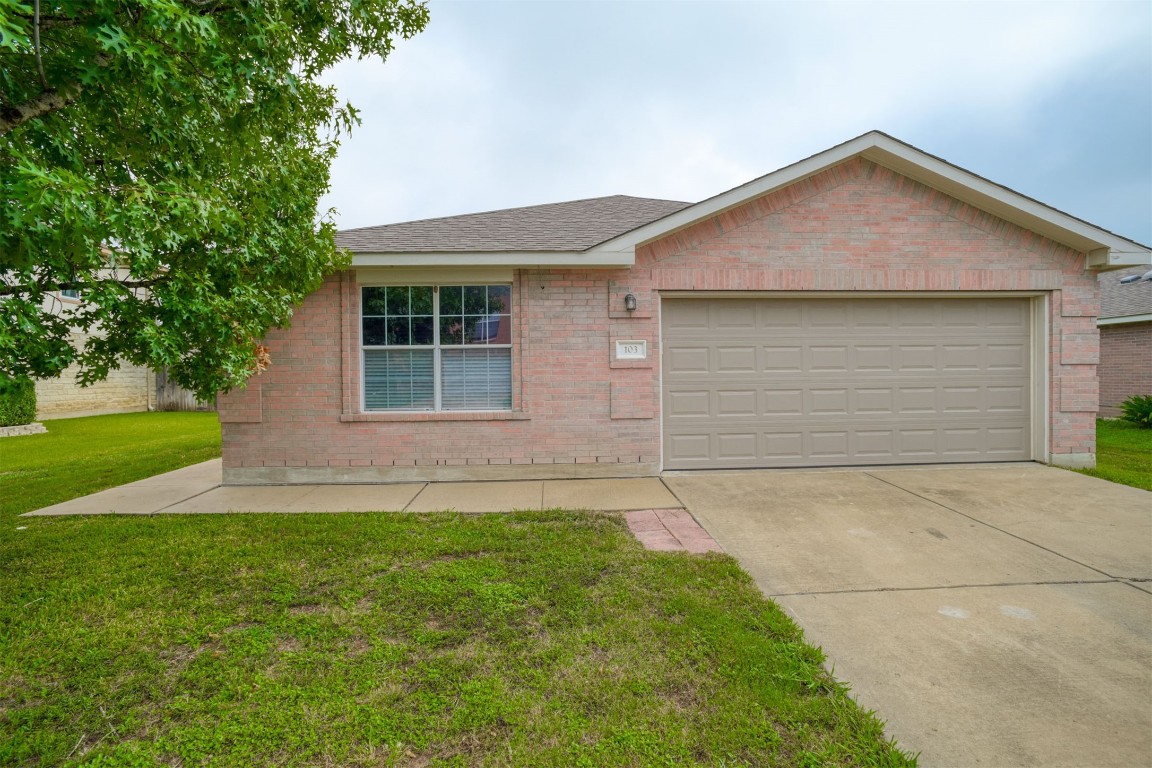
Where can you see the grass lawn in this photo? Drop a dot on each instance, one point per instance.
(1123, 454)
(527, 639)
(81, 456)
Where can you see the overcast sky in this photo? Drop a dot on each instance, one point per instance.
(503, 104)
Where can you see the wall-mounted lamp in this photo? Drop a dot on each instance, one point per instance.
(630, 302)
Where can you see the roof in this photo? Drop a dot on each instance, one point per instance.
(1132, 300)
(572, 226)
(605, 231)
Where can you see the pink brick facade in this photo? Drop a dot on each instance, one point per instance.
(854, 227)
(1126, 367)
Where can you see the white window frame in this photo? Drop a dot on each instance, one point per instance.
(436, 347)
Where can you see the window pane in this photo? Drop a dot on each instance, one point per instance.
(476, 379)
(421, 300)
(499, 299)
(400, 379)
(488, 329)
(422, 330)
(475, 300)
(451, 330)
(375, 331)
(398, 301)
(450, 303)
(398, 331)
(373, 301)
(500, 329)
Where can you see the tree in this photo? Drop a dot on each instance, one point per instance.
(165, 158)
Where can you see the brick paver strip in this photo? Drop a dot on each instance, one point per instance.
(670, 530)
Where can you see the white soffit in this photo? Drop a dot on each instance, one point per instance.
(1106, 250)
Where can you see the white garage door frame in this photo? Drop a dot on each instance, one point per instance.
(1039, 336)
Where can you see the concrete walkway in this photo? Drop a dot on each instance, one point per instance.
(654, 515)
(998, 615)
(197, 490)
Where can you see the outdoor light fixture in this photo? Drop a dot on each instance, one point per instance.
(630, 303)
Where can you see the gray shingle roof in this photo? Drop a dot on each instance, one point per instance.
(572, 226)
(1122, 300)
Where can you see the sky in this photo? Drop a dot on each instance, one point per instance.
(504, 104)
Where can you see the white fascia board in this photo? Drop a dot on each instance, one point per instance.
(521, 259)
(1124, 319)
(1108, 251)
(1105, 260)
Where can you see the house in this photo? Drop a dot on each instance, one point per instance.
(128, 388)
(1125, 325)
(869, 305)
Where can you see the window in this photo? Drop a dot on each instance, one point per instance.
(437, 348)
(70, 293)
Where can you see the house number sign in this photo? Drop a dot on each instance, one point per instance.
(632, 349)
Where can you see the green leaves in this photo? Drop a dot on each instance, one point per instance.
(191, 159)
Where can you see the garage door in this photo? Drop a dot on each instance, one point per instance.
(829, 382)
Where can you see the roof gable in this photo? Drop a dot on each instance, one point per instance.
(1105, 249)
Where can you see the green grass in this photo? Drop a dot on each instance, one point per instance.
(81, 456)
(1123, 454)
(527, 639)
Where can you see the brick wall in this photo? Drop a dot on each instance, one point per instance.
(305, 410)
(1125, 364)
(855, 227)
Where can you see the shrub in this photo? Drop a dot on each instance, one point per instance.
(17, 402)
(1138, 410)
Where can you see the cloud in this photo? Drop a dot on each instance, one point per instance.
(504, 104)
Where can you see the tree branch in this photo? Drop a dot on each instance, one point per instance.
(36, 45)
(13, 290)
(14, 115)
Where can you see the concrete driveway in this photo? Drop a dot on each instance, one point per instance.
(995, 615)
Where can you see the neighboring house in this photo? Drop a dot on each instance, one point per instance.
(869, 305)
(126, 389)
(1125, 339)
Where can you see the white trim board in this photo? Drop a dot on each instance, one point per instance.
(1124, 320)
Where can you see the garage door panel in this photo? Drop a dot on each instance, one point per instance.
(781, 359)
(918, 315)
(735, 315)
(737, 402)
(1008, 357)
(1010, 315)
(879, 358)
(1008, 399)
(733, 359)
(687, 359)
(783, 402)
(890, 403)
(823, 359)
(809, 382)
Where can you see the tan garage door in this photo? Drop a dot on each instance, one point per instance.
(828, 382)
